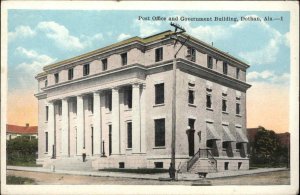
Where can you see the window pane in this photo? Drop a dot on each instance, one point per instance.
(208, 101)
(104, 64)
(129, 135)
(237, 108)
(191, 97)
(159, 132)
(224, 106)
(159, 94)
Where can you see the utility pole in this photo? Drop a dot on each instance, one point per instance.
(178, 30)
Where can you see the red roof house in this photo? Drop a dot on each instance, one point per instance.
(13, 131)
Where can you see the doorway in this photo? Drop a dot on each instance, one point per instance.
(190, 134)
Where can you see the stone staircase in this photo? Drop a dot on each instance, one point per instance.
(71, 164)
(202, 161)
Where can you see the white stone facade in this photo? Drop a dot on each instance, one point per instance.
(92, 108)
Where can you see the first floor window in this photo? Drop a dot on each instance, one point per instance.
(159, 132)
(129, 135)
(46, 138)
(238, 111)
(210, 143)
(191, 97)
(208, 101)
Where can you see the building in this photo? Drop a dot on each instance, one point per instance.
(14, 131)
(116, 103)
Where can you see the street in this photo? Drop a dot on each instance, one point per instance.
(269, 178)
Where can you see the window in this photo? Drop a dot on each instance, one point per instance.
(108, 100)
(109, 139)
(225, 68)
(124, 58)
(70, 73)
(47, 113)
(104, 64)
(192, 123)
(56, 77)
(224, 105)
(159, 132)
(59, 107)
(159, 164)
(128, 97)
(191, 54)
(226, 164)
(91, 104)
(46, 83)
(225, 145)
(239, 165)
(238, 146)
(209, 62)
(159, 93)
(129, 135)
(46, 139)
(210, 143)
(121, 165)
(191, 96)
(158, 54)
(237, 73)
(208, 101)
(86, 69)
(237, 109)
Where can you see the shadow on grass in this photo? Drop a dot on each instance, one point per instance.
(138, 171)
(19, 180)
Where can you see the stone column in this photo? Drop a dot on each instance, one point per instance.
(143, 119)
(80, 124)
(97, 124)
(136, 119)
(115, 121)
(65, 128)
(50, 128)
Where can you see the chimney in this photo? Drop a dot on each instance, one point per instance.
(27, 124)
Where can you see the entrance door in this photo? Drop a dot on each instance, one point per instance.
(109, 139)
(190, 133)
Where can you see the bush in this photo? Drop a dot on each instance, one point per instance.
(18, 180)
(21, 151)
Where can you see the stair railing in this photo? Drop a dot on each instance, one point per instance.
(192, 161)
(212, 159)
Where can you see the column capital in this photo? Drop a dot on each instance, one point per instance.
(135, 85)
(115, 88)
(96, 92)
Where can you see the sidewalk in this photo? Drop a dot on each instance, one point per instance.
(181, 176)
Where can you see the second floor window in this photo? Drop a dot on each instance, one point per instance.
(124, 58)
(208, 101)
(238, 109)
(108, 100)
(191, 54)
(70, 73)
(191, 123)
(91, 104)
(47, 113)
(129, 135)
(224, 105)
(237, 73)
(104, 64)
(159, 54)
(86, 69)
(56, 77)
(191, 96)
(209, 62)
(159, 93)
(225, 68)
(128, 97)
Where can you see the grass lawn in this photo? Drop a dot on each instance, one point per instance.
(18, 180)
(25, 164)
(255, 166)
(138, 171)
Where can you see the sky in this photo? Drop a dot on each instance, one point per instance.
(40, 37)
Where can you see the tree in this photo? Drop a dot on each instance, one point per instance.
(266, 146)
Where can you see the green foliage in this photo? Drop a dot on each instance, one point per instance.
(18, 180)
(138, 171)
(21, 150)
(267, 150)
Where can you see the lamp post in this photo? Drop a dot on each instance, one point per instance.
(178, 30)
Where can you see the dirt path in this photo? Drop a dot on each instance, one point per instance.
(270, 178)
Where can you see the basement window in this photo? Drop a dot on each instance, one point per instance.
(159, 164)
(121, 165)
